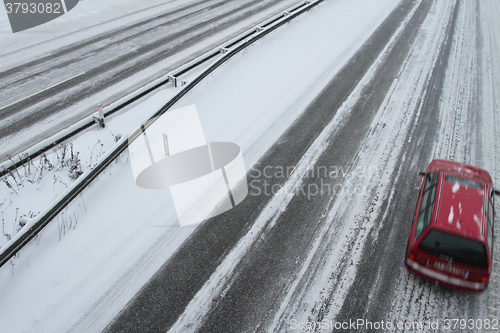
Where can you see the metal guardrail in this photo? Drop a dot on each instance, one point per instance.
(239, 43)
(22, 158)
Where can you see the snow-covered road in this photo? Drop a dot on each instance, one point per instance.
(307, 97)
(56, 89)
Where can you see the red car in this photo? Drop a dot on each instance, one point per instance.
(452, 235)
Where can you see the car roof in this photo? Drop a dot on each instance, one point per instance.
(461, 168)
(460, 207)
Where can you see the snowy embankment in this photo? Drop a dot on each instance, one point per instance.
(124, 233)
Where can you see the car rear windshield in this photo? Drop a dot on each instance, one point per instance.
(463, 181)
(456, 248)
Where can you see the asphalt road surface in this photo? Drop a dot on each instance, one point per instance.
(321, 238)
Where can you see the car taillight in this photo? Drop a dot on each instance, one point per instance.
(484, 280)
(412, 257)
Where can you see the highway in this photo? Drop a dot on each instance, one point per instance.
(321, 237)
(65, 86)
(323, 255)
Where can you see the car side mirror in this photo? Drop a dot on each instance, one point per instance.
(422, 174)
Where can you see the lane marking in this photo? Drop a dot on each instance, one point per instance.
(384, 103)
(57, 84)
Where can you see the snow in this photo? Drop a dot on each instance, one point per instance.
(490, 141)
(33, 190)
(455, 187)
(18, 141)
(478, 221)
(346, 231)
(89, 18)
(331, 279)
(86, 273)
(463, 138)
(88, 264)
(349, 238)
(450, 216)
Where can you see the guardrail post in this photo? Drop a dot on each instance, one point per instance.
(173, 79)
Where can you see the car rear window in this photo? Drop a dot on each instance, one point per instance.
(457, 248)
(463, 181)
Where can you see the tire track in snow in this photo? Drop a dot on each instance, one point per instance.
(420, 301)
(416, 299)
(490, 129)
(340, 240)
(459, 107)
(457, 139)
(463, 116)
(373, 289)
(333, 277)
